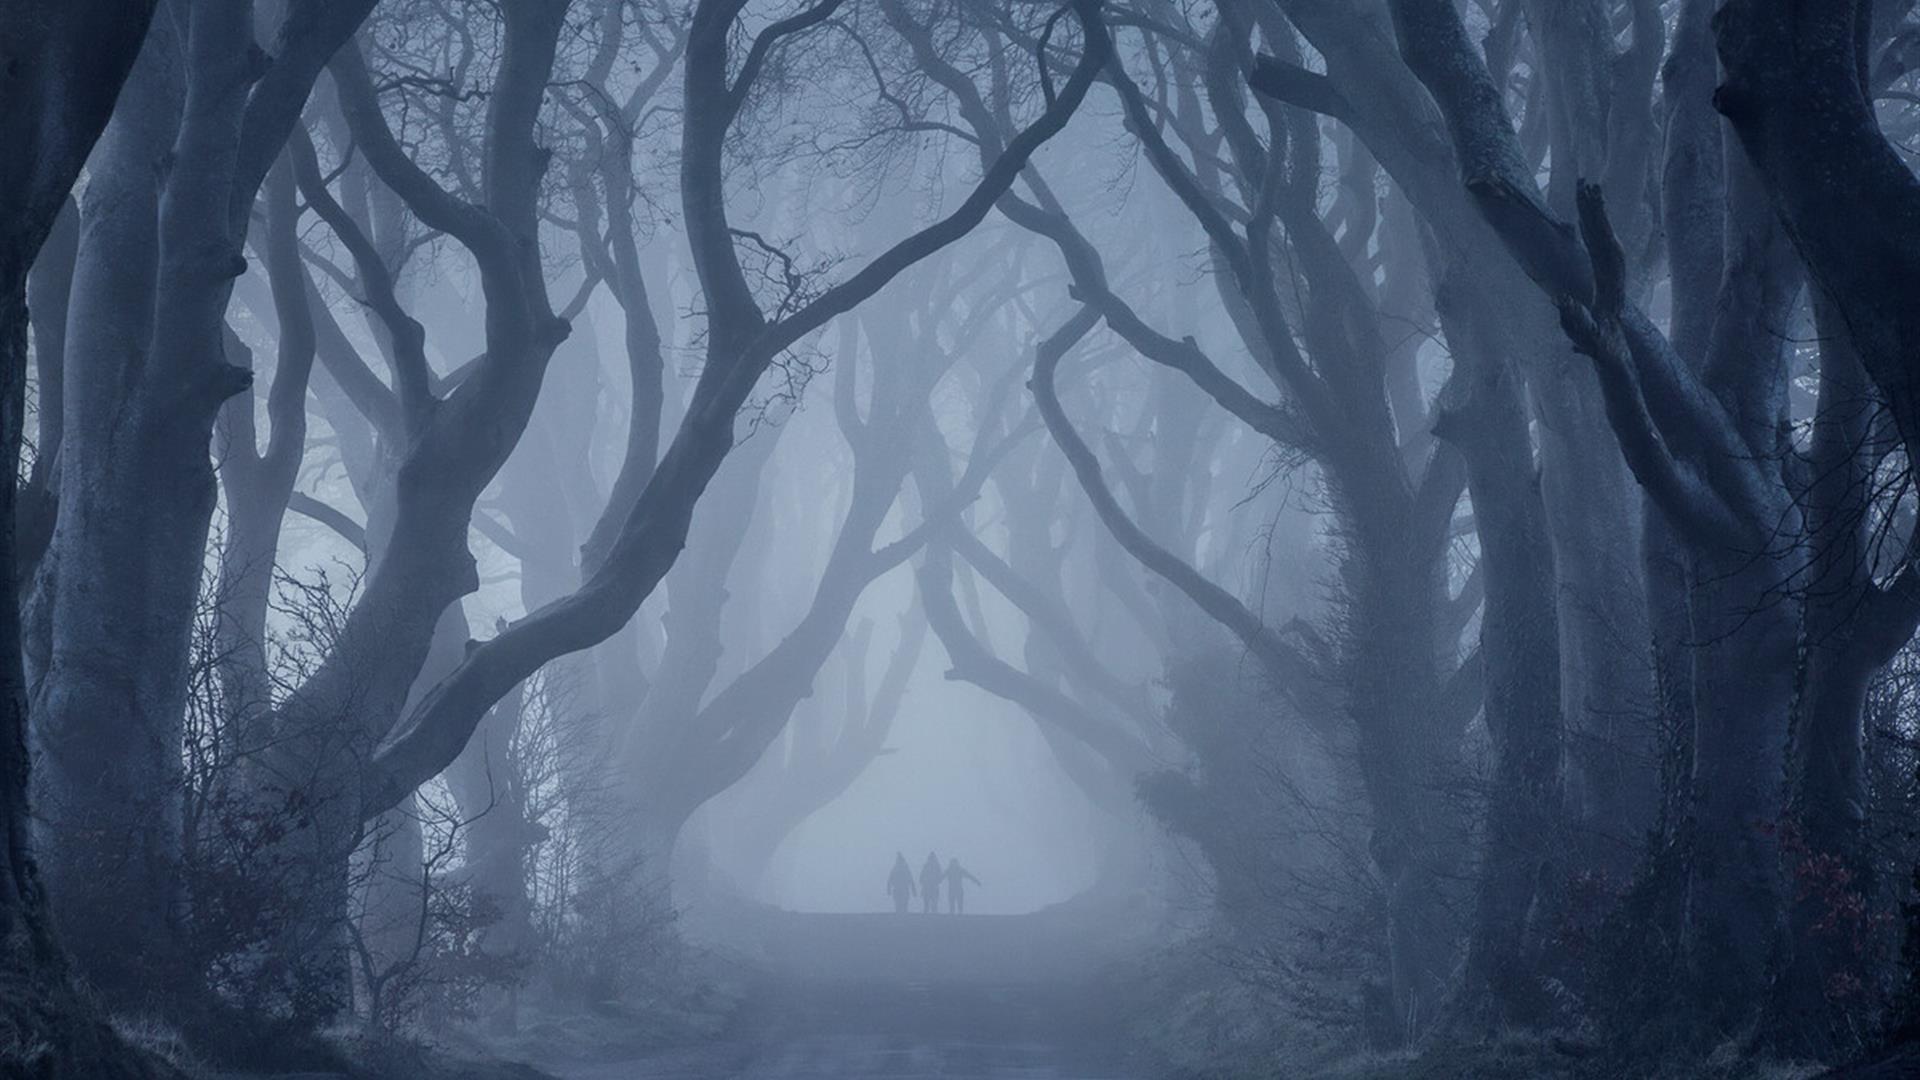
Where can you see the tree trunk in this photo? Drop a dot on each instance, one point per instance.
(1406, 763)
(60, 1031)
(1522, 863)
(1796, 96)
(1592, 503)
(492, 802)
(1745, 630)
(116, 592)
(49, 296)
(1594, 514)
(1852, 628)
(158, 259)
(1746, 664)
(26, 942)
(390, 872)
(64, 66)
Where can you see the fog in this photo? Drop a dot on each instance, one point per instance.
(627, 539)
(968, 779)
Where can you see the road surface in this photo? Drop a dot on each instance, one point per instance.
(901, 998)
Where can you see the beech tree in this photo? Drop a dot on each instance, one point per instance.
(742, 341)
(145, 379)
(1331, 370)
(63, 78)
(1434, 474)
(1703, 434)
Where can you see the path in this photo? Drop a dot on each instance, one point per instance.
(901, 998)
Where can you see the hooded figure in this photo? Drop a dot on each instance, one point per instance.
(900, 883)
(930, 875)
(957, 878)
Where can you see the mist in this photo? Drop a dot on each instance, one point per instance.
(627, 539)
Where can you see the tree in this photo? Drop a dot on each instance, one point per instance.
(1704, 435)
(1797, 92)
(742, 342)
(1331, 366)
(148, 372)
(65, 65)
(820, 759)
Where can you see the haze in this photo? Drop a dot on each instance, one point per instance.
(627, 539)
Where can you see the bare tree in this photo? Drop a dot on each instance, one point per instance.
(1703, 435)
(65, 64)
(742, 341)
(116, 594)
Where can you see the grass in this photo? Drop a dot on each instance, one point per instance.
(50, 1032)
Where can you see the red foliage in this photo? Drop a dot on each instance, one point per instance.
(1847, 920)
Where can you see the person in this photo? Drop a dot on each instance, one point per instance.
(957, 878)
(900, 883)
(930, 875)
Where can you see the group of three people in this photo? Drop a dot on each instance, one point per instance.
(900, 884)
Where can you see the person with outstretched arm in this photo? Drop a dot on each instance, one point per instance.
(957, 878)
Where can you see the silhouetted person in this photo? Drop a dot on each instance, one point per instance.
(900, 883)
(930, 875)
(957, 878)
